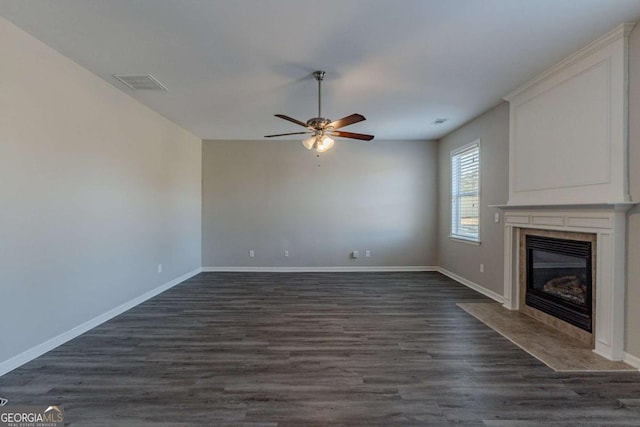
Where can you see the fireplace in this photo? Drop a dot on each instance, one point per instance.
(602, 225)
(559, 278)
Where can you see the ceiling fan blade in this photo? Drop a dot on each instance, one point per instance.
(285, 134)
(352, 135)
(346, 121)
(292, 120)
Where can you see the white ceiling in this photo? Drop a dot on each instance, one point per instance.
(229, 65)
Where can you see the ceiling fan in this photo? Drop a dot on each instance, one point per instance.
(322, 129)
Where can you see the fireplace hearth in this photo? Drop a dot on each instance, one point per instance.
(559, 278)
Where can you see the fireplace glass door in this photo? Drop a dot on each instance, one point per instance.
(559, 278)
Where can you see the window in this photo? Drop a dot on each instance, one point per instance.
(465, 192)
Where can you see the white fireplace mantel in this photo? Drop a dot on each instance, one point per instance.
(608, 223)
(568, 170)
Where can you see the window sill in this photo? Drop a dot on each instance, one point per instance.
(465, 240)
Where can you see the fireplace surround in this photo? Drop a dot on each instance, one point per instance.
(557, 279)
(558, 273)
(606, 226)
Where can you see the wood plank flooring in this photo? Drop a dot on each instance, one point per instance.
(356, 349)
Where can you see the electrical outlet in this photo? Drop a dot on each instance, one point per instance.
(251, 253)
(159, 268)
(481, 268)
(354, 254)
(367, 253)
(286, 253)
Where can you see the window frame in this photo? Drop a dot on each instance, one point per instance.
(456, 152)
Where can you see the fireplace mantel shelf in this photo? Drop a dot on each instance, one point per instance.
(618, 206)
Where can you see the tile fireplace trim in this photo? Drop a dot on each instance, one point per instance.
(608, 223)
(565, 327)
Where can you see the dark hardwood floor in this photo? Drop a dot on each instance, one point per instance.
(356, 349)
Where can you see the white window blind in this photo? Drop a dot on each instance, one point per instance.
(465, 192)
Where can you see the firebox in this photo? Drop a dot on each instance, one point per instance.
(559, 278)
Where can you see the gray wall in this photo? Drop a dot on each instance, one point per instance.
(96, 191)
(271, 195)
(461, 258)
(632, 338)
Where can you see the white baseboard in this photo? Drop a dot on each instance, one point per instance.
(40, 349)
(319, 269)
(484, 291)
(468, 283)
(631, 360)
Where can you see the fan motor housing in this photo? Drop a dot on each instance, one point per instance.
(318, 122)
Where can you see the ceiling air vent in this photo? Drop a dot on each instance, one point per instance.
(437, 122)
(141, 82)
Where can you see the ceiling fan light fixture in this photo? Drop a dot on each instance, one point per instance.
(324, 143)
(309, 142)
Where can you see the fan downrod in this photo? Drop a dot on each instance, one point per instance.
(319, 75)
